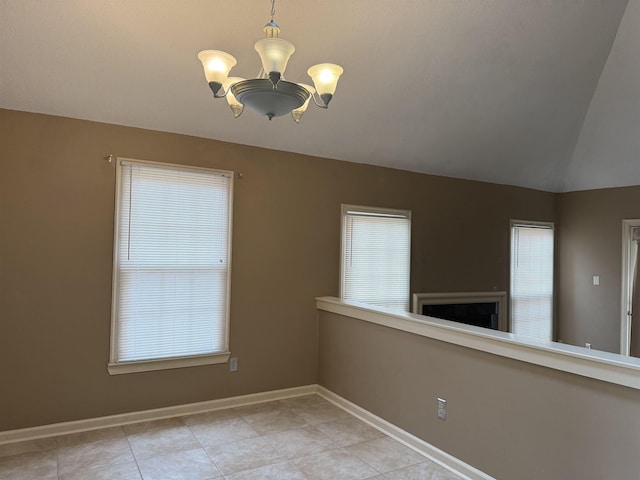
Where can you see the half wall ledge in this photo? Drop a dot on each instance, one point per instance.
(604, 366)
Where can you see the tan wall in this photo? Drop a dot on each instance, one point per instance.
(57, 200)
(590, 243)
(510, 419)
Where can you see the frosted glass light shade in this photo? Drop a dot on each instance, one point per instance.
(216, 65)
(298, 112)
(325, 77)
(274, 53)
(236, 106)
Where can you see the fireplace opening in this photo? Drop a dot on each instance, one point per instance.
(483, 314)
(481, 309)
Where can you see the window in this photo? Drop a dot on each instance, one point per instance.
(532, 279)
(171, 267)
(376, 246)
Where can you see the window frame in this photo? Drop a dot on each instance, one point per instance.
(116, 367)
(532, 224)
(345, 209)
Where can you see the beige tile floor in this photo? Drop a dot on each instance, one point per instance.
(298, 438)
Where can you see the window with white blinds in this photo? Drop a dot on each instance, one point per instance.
(171, 262)
(532, 279)
(376, 246)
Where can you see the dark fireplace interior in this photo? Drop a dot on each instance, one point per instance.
(483, 314)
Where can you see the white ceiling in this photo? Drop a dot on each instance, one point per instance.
(518, 92)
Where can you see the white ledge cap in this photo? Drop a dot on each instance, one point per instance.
(604, 366)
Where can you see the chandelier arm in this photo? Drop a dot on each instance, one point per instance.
(215, 88)
(318, 104)
(215, 95)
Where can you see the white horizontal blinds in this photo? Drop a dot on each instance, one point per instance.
(172, 262)
(532, 281)
(376, 258)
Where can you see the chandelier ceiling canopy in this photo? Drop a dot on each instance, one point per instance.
(269, 94)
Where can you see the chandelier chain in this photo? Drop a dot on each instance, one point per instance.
(273, 9)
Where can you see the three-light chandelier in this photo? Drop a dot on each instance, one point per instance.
(269, 94)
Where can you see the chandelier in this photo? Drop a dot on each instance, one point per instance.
(269, 94)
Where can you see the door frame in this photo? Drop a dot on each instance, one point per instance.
(628, 254)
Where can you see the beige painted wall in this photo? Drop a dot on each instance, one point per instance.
(590, 243)
(510, 419)
(57, 200)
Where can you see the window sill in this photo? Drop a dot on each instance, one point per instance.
(166, 363)
(605, 366)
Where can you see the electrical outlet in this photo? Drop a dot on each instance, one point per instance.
(233, 364)
(442, 409)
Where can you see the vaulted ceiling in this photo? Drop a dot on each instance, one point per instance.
(542, 94)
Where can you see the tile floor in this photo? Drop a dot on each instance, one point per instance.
(299, 438)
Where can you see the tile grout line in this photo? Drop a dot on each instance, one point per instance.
(135, 459)
(57, 459)
(223, 476)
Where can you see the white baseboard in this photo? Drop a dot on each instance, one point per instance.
(440, 457)
(65, 428)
